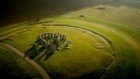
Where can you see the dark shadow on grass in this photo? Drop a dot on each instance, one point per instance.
(37, 52)
(49, 54)
(41, 56)
(33, 52)
(62, 42)
(63, 49)
(29, 50)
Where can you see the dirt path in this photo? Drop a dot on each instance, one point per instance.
(34, 64)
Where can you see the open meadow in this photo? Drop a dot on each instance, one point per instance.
(105, 43)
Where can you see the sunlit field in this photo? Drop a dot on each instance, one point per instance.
(105, 42)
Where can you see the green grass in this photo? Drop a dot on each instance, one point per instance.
(82, 51)
(125, 53)
(13, 66)
(83, 59)
(119, 14)
(76, 62)
(133, 32)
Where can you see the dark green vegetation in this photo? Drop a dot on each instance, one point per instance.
(14, 67)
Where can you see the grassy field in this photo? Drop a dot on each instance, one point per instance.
(105, 42)
(12, 66)
(84, 49)
(86, 60)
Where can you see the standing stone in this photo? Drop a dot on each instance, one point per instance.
(58, 43)
(67, 45)
(52, 46)
(34, 45)
(44, 43)
(64, 37)
(39, 37)
(60, 36)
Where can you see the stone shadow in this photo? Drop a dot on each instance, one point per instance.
(33, 52)
(46, 52)
(49, 54)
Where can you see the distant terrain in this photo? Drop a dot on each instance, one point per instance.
(122, 11)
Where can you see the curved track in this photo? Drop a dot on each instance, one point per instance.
(127, 49)
(34, 64)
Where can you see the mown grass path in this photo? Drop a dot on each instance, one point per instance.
(34, 64)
